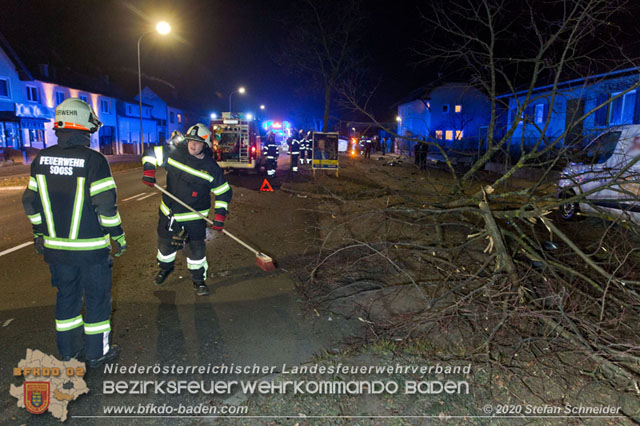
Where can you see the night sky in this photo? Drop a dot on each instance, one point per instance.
(214, 47)
(217, 45)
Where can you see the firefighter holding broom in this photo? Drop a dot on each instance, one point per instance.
(192, 176)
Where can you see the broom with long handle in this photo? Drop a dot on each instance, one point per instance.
(263, 261)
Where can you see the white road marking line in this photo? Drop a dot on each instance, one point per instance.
(134, 196)
(146, 196)
(18, 247)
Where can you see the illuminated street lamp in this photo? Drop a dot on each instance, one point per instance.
(249, 116)
(214, 115)
(262, 107)
(240, 90)
(398, 119)
(162, 28)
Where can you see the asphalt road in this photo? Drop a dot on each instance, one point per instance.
(251, 316)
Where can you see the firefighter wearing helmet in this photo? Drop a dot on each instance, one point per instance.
(192, 176)
(71, 203)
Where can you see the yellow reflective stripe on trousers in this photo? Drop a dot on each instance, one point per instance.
(221, 189)
(182, 217)
(97, 327)
(77, 209)
(33, 185)
(46, 204)
(190, 170)
(69, 324)
(197, 264)
(166, 258)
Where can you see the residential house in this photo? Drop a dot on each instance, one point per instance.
(451, 113)
(553, 116)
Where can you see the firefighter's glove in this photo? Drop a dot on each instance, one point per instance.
(38, 243)
(121, 245)
(149, 177)
(218, 222)
(179, 239)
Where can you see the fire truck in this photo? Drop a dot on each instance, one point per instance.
(237, 142)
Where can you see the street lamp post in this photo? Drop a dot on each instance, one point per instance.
(162, 28)
(240, 90)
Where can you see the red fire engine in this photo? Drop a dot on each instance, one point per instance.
(237, 142)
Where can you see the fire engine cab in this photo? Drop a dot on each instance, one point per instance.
(237, 141)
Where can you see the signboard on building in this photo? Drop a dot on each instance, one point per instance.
(33, 111)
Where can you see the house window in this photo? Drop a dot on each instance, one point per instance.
(36, 135)
(179, 118)
(129, 109)
(438, 134)
(445, 108)
(448, 135)
(59, 98)
(622, 109)
(84, 98)
(172, 117)
(104, 105)
(32, 93)
(4, 88)
(459, 134)
(539, 113)
(458, 108)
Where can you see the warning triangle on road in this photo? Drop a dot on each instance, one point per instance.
(266, 186)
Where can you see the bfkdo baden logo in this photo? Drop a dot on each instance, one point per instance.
(37, 396)
(49, 384)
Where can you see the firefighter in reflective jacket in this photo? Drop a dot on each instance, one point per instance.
(294, 148)
(308, 142)
(71, 203)
(271, 152)
(192, 175)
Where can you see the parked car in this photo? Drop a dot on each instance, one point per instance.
(607, 172)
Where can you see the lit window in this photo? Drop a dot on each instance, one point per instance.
(438, 134)
(84, 98)
(458, 108)
(104, 105)
(445, 108)
(459, 134)
(448, 135)
(622, 108)
(59, 98)
(32, 93)
(179, 118)
(539, 113)
(4, 88)
(36, 135)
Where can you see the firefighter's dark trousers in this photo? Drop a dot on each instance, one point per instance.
(271, 166)
(94, 283)
(294, 162)
(197, 252)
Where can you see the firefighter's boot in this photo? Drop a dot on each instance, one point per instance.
(110, 356)
(162, 275)
(201, 288)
